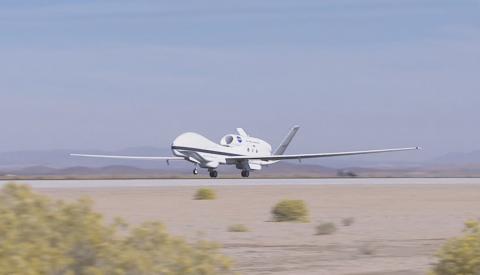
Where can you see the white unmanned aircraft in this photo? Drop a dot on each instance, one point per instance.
(245, 152)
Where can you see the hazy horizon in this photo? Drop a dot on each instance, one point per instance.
(355, 75)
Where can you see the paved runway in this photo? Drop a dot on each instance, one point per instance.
(240, 182)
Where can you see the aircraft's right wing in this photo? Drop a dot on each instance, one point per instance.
(126, 157)
(321, 155)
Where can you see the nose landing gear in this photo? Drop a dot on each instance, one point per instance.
(245, 173)
(195, 171)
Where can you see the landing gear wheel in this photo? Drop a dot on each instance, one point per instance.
(245, 173)
(195, 171)
(213, 174)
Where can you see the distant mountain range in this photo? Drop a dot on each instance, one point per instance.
(458, 158)
(58, 164)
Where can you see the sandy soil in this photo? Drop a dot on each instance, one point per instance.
(401, 225)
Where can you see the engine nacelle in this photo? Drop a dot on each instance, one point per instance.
(211, 164)
(232, 140)
(249, 165)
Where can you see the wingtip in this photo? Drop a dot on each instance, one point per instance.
(418, 148)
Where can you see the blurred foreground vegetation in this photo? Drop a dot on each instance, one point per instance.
(461, 255)
(42, 236)
(205, 194)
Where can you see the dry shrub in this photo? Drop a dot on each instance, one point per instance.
(348, 221)
(290, 211)
(367, 249)
(326, 228)
(238, 228)
(205, 194)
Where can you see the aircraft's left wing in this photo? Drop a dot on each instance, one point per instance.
(127, 157)
(321, 155)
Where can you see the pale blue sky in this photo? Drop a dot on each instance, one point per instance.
(354, 74)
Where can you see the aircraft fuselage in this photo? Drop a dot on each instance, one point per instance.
(208, 154)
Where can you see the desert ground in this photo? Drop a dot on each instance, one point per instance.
(397, 229)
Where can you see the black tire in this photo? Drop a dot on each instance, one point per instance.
(245, 173)
(213, 174)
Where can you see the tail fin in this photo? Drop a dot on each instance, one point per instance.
(286, 141)
(242, 132)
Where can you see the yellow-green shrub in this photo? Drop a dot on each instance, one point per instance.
(290, 210)
(205, 194)
(460, 255)
(42, 236)
(237, 228)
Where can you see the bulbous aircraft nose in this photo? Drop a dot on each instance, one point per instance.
(180, 142)
(184, 140)
(192, 141)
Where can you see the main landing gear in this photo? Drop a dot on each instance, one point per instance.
(245, 173)
(213, 173)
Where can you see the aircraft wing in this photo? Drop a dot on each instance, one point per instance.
(126, 157)
(320, 155)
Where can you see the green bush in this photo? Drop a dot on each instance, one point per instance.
(205, 194)
(42, 236)
(326, 228)
(460, 255)
(238, 228)
(290, 210)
